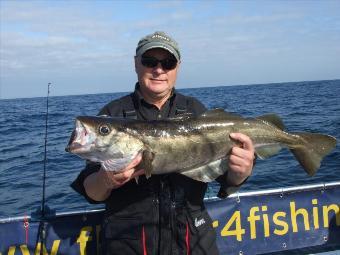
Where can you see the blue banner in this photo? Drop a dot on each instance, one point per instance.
(244, 224)
(72, 234)
(277, 222)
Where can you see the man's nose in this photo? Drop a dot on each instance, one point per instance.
(158, 68)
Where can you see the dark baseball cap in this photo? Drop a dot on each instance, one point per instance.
(158, 40)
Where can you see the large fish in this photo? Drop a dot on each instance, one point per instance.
(197, 147)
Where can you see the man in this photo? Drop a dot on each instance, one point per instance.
(158, 215)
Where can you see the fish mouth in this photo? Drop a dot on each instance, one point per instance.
(80, 140)
(77, 148)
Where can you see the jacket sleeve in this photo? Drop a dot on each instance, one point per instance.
(225, 189)
(78, 183)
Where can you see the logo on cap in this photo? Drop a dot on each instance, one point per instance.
(158, 36)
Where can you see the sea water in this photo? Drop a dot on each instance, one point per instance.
(312, 106)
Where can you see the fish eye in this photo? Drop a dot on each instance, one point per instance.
(104, 130)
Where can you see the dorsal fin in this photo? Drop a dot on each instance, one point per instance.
(219, 113)
(272, 119)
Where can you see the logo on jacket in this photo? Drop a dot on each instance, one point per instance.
(199, 222)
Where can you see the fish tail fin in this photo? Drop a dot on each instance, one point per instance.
(311, 150)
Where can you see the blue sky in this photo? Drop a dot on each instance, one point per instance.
(85, 47)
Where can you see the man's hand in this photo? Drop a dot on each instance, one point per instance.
(98, 185)
(241, 159)
(114, 180)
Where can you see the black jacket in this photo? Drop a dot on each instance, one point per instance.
(164, 214)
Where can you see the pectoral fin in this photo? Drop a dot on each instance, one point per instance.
(146, 163)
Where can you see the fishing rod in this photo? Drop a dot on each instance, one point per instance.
(45, 155)
(42, 225)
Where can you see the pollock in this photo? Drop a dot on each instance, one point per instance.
(197, 147)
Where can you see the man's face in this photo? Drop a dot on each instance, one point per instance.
(156, 82)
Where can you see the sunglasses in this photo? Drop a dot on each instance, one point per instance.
(167, 63)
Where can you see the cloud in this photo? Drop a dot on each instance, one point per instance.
(36, 37)
(58, 38)
(77, 39)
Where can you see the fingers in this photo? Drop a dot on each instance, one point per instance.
(244, 140)
(243, 155)
(237, 155)
(116, 179)
(122, 177)
(135, 161)
(137, 173)
(241, 158)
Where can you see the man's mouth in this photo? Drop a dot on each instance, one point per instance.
(157, 80)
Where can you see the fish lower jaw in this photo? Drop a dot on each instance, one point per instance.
(78, 148)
